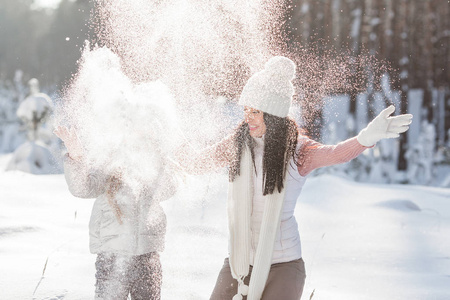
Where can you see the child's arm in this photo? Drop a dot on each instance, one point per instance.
(82, 181)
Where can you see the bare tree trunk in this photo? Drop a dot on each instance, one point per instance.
(368, 41)
(439, 46)
(387, 38)
(420, 46)
(301, 22)
(441, 42)
(336, 24)
(387, 42)
(403, 61)
(356, 11)
(428, 60)
(412, 36)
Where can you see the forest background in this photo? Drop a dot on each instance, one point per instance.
(410, 38)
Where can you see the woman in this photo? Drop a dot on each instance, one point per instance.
(127, 225)
(268, 163)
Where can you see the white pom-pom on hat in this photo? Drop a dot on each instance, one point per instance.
(271, 89)
(282, 66)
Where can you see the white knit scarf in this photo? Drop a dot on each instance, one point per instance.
(240, 196)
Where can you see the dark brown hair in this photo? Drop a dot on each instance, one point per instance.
(279, 147)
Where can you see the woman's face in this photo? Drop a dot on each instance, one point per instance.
(255, 121)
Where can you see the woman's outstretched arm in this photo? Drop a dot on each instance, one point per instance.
(209, 159)
(316, 155)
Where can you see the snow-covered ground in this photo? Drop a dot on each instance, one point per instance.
(360, 241)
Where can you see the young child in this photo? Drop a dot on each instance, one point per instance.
(127, 225)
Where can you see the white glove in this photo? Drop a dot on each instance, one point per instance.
(384, 127)
(70, 139)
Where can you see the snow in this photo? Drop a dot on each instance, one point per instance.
(356, 23)
(11, 137)
(46, 3)
(415, 97)
(34, 158)
(34, 106)
(305, 8)
(111, 115)
(360, 241)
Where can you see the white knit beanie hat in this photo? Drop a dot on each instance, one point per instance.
(271, 89)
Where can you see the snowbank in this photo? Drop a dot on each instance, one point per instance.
(360, 241)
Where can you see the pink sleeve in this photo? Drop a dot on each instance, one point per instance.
(317, 155)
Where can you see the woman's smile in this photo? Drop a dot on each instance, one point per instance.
(255, 121)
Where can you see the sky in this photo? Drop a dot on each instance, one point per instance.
(47, 3)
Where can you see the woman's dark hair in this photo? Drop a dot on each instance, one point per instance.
(279, 147)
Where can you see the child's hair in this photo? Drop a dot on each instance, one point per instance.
(114, 185)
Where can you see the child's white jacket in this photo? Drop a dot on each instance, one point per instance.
(142, 225)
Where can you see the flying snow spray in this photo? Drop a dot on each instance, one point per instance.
(190, 59)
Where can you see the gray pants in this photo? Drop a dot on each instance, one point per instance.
(285, 281)
(119, 276)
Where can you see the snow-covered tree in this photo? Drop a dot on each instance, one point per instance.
(35, 156)
(420, 156)
(35, 109)
(11, 93)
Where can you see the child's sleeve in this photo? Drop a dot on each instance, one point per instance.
(82, 181)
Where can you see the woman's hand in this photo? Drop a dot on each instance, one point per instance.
(384, 126)
(70, 139)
